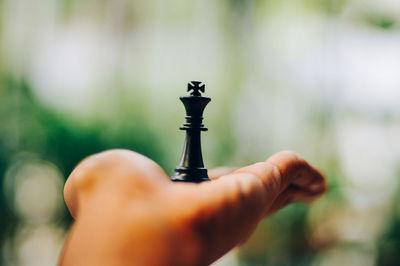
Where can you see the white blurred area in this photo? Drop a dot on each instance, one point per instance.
(34, 190)
(281, 74)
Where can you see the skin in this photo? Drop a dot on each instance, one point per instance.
(127, 211)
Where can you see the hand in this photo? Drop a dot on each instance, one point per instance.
(128, 212)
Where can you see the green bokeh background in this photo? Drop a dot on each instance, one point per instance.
(311, 76)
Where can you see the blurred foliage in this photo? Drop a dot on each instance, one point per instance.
(27, 126)
(279, 71)
(331, 7)
(389, 242)
(381, 20)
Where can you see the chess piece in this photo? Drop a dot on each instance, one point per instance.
(191, 167)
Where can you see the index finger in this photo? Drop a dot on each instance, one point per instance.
(229, 208)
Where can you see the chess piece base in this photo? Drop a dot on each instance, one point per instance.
(183, 174)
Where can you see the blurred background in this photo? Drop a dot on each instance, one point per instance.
(319, 77)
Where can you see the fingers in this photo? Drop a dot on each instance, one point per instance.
(114, 171)
(292, 194)
(300, 181)
(221, 171)
(295, 170)
(232, 205)
(228, 208)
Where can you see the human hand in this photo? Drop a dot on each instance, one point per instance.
(128, 212)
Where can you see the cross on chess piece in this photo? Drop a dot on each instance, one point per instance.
(195, 87)
(191, 167)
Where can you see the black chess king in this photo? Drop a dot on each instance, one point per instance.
(191, 167)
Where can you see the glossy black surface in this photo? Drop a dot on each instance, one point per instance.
(191, 167)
